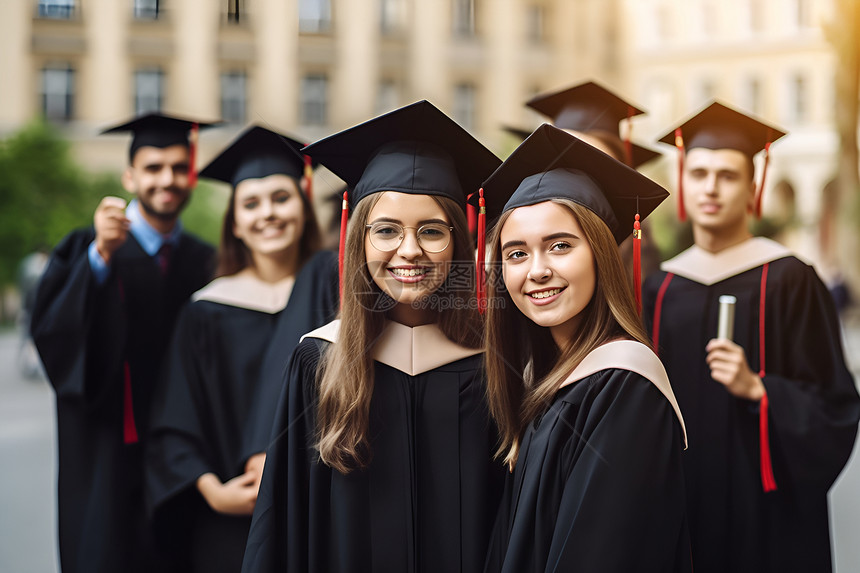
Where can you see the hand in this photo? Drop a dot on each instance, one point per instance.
(237, 496)
(729, 367)
(111, 226)
(255, 465)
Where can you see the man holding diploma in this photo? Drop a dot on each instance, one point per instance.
(771, 409)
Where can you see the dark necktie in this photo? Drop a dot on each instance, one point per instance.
(163, 257)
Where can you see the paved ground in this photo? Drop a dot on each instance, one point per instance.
(28, 472)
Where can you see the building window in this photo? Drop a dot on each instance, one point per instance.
(314, 99)
(387, 97)
(391, 16)
(464, 105)
(464, 18)
(233, 97)
(536, 24)
(58, 92)
(59, 9)
(752, 95)
(147, 9)
(799, 104)
(236, 11)
(315, 16)
(754, 12)
(803, 14)
(148, 90)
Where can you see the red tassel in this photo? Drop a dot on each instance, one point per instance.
(471, 216)
(628, 144)
(192, 155)
(308, 179)
(679, 144)
(760, 193)
(129, 428)
(344, 216)
(768, 482)
(482, 247)
(637, 264)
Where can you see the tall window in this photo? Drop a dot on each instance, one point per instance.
(233, 96)
(315, 16)
(536, 24)
(148, 90)
(236, 11)
(58, 92)
(464, 18)
(803, 14)
(147, 9)
(754, 12)
(464, 105)
(60, 9)
(392, 14)
(388, 96)
(752, 95)
(799, 103)
(314, 99)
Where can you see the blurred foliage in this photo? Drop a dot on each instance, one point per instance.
(44, 195)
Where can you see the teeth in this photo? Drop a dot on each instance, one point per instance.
(545, 293)
(409, 272)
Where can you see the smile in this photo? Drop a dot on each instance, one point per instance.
(408, 274)
(544, 294)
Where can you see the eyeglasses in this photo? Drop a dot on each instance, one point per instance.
(432, 238)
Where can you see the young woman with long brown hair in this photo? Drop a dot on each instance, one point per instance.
(589, 425)
(206, 438)
(383, 460)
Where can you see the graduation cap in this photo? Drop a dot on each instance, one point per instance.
(415, 149)
(718, 126)
(590, 107)
(158, 130)
(259, 152)
(552, 163)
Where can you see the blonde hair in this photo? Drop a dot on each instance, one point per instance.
(524, 372)
(345, 377)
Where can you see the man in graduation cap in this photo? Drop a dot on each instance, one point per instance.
(104, 312)
(771, 408)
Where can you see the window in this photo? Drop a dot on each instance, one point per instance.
(754, 11)
(535, 22)
(58, 91)
(464, 18)
(803, 14)
(752, 95)
(148, 90)
(799, 104)
(236, 11)
(146, 9)
(314, 99)
(233, 97)
(464, 105)
(387, 97)
(314, 16)
(59, 9)
(392, 16)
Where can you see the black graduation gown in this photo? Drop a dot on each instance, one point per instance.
(204, 406)
(89, 337)
(812, 413)
(598, 485)
(425, 503)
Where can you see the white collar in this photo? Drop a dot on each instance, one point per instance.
(245, 290)
(707, 268)
(635, 357)
(412, 350)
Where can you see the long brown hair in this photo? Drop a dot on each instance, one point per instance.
(233, 255)
(525, 371)
(346, 377)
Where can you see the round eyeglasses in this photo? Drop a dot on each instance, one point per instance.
(432, 237)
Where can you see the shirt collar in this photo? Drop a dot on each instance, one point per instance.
(150, 240)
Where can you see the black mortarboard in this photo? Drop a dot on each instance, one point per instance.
(590, 107)
(415, 149)
(156, 130)
(257, 152)
(718, 126)
(551, 163)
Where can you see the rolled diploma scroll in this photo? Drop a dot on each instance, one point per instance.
(726, 325)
